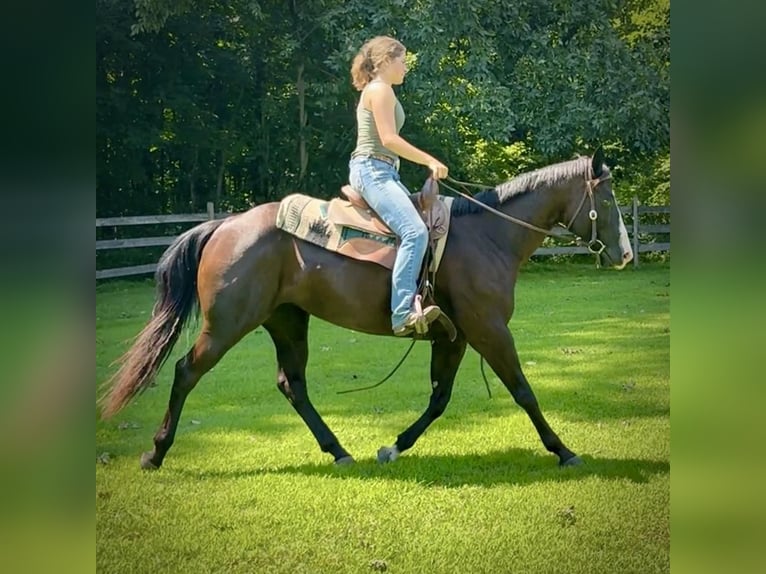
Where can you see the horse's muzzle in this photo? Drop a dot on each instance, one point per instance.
(608, 261)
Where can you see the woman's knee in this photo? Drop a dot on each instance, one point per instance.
(416, 232)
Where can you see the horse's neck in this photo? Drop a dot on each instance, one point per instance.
(542, 209)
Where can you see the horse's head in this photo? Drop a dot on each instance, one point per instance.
(596, 216)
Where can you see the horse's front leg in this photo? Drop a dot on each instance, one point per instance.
(445, 360)
(495, 343)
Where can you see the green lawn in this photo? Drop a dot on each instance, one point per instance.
(245, 488)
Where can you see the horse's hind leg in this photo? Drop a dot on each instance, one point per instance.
(202, 357)
(288, 327)
(495, 343)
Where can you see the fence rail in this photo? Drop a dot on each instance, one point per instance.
(634, 211)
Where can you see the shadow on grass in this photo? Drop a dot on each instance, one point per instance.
(577, 403)
(512, 467)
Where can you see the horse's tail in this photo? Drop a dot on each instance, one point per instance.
(176, 298)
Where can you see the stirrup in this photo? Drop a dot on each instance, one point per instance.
(419, 319)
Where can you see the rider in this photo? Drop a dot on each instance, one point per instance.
(374, 170)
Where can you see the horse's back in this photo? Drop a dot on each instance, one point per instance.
(239, 233)
(244, 254)
(250, 225)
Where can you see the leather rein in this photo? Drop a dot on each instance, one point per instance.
(595, 245)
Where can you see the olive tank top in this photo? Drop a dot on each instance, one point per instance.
(367, 139)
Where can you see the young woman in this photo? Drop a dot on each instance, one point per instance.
(374, 169)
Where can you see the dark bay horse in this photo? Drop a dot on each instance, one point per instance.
(244, 272)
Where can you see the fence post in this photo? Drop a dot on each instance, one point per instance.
(210, 210)
(635, 231)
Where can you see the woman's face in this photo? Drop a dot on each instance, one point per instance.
(396, 69)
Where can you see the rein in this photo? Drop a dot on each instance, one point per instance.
(595, 245)
(487, 207)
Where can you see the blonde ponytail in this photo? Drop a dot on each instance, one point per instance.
(372, 55)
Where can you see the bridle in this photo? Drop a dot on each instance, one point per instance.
(595, 245)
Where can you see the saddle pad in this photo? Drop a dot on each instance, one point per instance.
(306, 218)
(309, 218)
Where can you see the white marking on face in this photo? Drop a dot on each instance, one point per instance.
(625, 248)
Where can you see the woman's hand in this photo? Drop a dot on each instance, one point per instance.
(438, 169)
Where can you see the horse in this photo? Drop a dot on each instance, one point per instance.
(243, 272)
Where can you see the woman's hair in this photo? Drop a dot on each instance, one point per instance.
(371, 57)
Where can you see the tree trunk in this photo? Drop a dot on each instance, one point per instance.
(304, 159)
(193, 180)
(219, 182)
(263, 169)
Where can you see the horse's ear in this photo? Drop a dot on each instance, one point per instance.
(597, 161)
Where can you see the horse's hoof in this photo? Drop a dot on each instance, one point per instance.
(387, 454)
(146, 462)
(574, 461)
(345, 460)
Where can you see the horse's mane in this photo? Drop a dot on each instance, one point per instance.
(543, 178)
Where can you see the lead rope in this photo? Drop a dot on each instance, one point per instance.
(388, 376)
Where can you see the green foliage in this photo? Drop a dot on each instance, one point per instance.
(490, 161)
(220, 101)
(647, 178)
(245, 488)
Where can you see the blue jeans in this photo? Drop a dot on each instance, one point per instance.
(379, 184)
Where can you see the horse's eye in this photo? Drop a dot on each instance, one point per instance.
(606, 203)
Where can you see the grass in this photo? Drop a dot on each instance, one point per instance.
(245, 488)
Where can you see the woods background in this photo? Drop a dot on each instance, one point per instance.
(242, 102)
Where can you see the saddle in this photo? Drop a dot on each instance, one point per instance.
(358, 214)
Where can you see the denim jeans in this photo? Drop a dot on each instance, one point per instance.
(379, 184)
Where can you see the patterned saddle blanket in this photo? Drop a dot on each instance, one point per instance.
(340, 226)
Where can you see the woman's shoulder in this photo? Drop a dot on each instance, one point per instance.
(380, 91)
(378, 87)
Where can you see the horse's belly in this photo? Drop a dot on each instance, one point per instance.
(341, 291)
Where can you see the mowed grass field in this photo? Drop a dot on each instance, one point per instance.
(245, 488)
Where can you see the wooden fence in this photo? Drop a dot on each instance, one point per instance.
(638, 231)
(144, 241)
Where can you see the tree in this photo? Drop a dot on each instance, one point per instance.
(242, 102)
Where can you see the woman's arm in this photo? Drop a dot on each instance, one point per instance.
(381, 101)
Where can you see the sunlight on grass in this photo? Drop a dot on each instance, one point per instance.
(246, 488)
